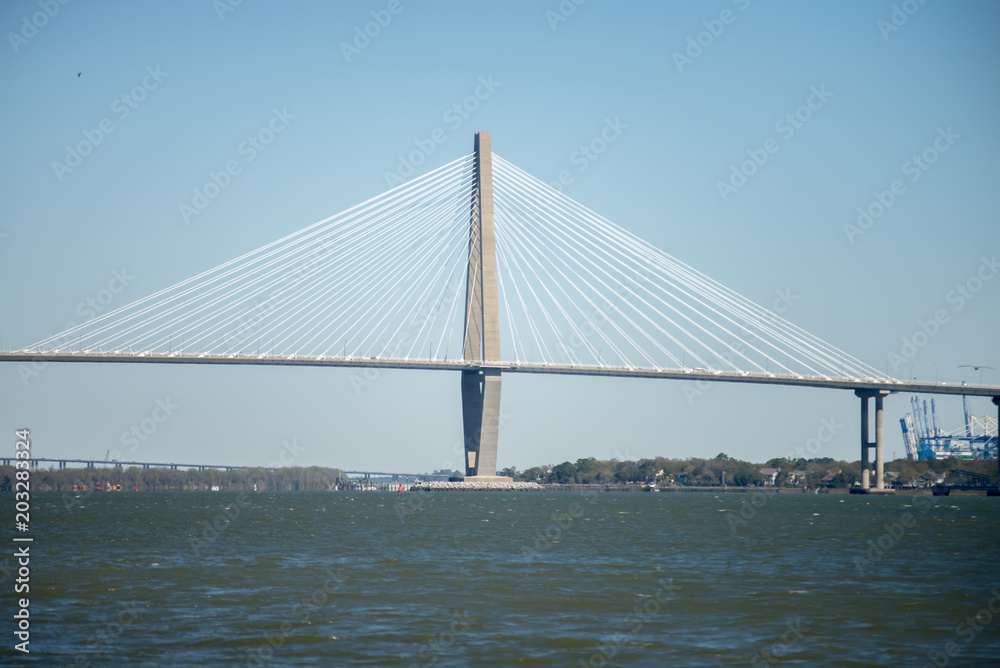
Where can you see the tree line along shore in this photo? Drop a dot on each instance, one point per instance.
(157, 479)
(695, 472)
(779, 472)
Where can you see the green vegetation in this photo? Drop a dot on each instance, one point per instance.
(313, 478)
(723, 469)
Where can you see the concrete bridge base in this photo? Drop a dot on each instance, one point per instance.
(867, 444)
(481, 478)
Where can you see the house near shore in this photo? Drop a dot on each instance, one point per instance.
(770, 475)
(827, 480)
(796, 477)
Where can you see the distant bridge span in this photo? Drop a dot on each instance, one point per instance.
(94, 462)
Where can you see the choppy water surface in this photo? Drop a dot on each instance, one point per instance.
(532, 579)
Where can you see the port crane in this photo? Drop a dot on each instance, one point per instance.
(924, 439)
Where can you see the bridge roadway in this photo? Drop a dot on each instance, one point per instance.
(916, 387)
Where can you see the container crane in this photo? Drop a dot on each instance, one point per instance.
(976, 439)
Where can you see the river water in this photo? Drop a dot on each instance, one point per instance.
(504, 579)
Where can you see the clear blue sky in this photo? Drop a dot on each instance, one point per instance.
(887, 95)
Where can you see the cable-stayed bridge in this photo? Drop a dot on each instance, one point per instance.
(480, 268)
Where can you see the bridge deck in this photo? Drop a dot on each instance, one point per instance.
(510, 367)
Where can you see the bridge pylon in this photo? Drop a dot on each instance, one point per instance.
(481, 387)
(867, 444)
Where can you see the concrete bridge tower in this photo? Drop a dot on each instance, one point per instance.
(481, 387)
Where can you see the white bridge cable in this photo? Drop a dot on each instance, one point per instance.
(402, 274)
(449, 255)
(584, 260)
(239, 262)
(277, 276)
(201, 311)
(288, 259)
(550, 248)
(451, 318)
(528, 247)
(503, 268)
(280, 274)
(517, 254)
(373, 280)
(372, 285)
(387, 251)
(324, 326)
(325, 291)
(564, 240)
(828, 354)
(749, 317)
(651, 309)
(567, 353)
(449, 280)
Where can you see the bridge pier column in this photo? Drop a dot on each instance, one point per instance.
(481, 421)
(867, 445)
(879, 460)
(865, 473)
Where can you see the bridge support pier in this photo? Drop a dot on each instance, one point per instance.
(878, 444)
(481, 421)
